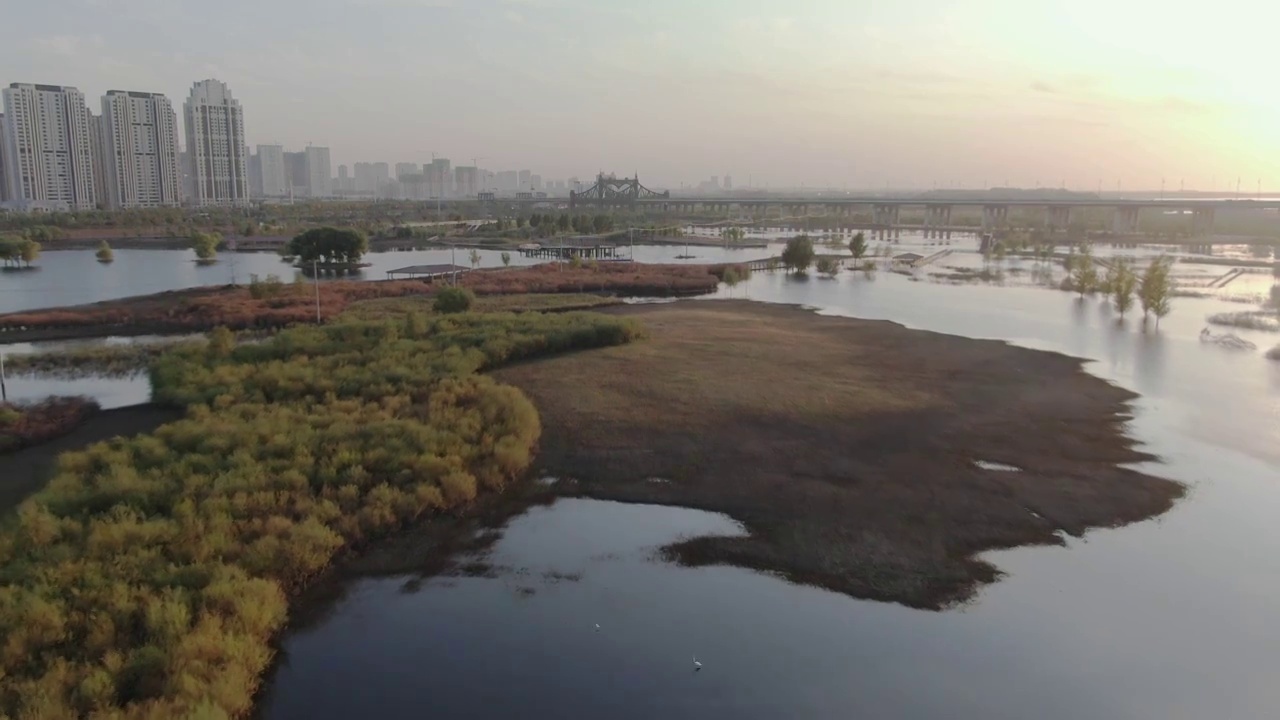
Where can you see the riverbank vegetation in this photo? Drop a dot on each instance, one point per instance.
(96, 361)
(149, 578)
(23, 425)
(271, 304)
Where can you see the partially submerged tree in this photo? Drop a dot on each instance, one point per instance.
(858, 246)
(1123, 284)
(104, 254)
(1155, 290)
(828, 266)
(798, 255)
(1084, 274)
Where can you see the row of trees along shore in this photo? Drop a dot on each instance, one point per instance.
(150, 576)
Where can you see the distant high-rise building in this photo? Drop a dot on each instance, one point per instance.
(270, 166)
(140, 134)
(4, 162)
(344, 181)
(535, 182)
(365, 184)
(439, 178)
(523, 182)
(218, 155)
(507, 181)
(318, 171)
(100, 145)
(49, 150)
(296, 177)
(381, 178)
(466, 180)
(728, 182)
(403, 169)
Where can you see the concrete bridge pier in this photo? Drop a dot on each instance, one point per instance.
(886, 216)
(994, 216)
(1058, 217)
(936, 219)
(1201, 222)
(1125, 220)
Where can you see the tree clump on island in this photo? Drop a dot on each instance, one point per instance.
(329, 247)
(104, 253)
(205, 245)
(829, 267)
(799, 254)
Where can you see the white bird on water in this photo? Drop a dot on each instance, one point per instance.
(696, 665)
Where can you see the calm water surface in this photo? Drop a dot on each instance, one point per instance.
(1173, 618)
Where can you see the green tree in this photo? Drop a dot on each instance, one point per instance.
(828, 266)
(454, 300)
(1084, 274)
(731, 278)
(104, 254)
(733, 235)
(1123, 284)
(474, 257)
(205, 246)
(1155, 290)
(799, 254)
(329, 246)
(564, 223)
(858, 246)
(29, 252)
(506, 259)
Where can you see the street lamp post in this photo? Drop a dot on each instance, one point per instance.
(315, 274)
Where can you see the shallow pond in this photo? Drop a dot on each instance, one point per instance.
(1172, 618)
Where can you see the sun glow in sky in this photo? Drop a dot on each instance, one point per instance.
(914, 93)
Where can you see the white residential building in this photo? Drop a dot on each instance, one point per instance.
(272, 173)
(48, 153)
(140, 134)
(4, 163)
(319, 172)
(218, 155)
(405, 169)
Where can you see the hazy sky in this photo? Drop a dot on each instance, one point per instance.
(910, 92)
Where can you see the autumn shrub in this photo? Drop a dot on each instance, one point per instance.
(148, 579)
(23, 425)
(454, 300)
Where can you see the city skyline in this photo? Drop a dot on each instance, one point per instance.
(912, 95)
